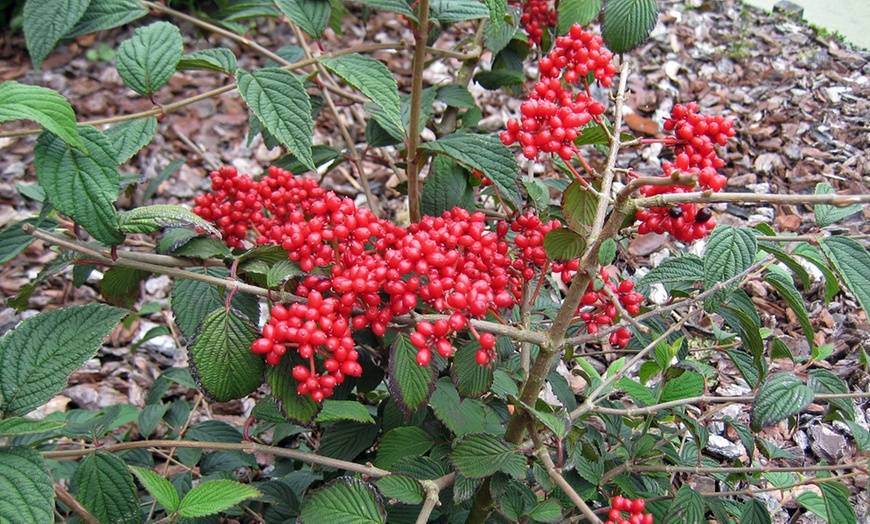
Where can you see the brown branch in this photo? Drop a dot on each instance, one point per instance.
(421, 35)
(751, 198)
(74, 505)
(699, 470)
(433, 490)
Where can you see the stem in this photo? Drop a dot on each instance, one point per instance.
(433, 489)
(74, 505)
(421, 36)
(756, 469)
(751, 198)
(463, 78)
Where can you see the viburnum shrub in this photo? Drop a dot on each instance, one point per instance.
(470, 339)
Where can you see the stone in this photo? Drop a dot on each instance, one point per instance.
(723, 447)
(789, 9)
(826, 443)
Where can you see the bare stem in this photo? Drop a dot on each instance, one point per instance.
(433, 489)
(557, 478)
(751, 198)
(74, 505)
(414, 165)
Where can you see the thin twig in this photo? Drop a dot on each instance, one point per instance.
(751, 198)
(74, 505)
(421, 36)
(433, 488)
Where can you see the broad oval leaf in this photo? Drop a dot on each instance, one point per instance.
(446, 186)
(627, 23)
(147, 60)
(148, 219)
(46, 22)
(755, 512)
(26, 487)
(160, 488)
(471, 379)
(403, 488)
(460, 416)
(311, 16)
(372, 78)
(579, 206)
(107, 14)
(295, 407)
(220, 59)
(782, 395)
(451, 11)
(686, 508)
(485, 153)
(410, 384)
(131, 136)
(784, 285)
(684, 271)
(687, 385)
(105, 487)
(220, 356)
(40, 353)
(481, 455)
(25, 426)
(44, 106)
(827, 215)
(402, 442)
(837, 505)
(82, 186)
(345, 500)
(280, 101)
(192, 300)
(824, 381)
(851, 261)
(576, 12)
(564, 244)
(730, 251)
(215, 496)
(14, 240)
(333, 410)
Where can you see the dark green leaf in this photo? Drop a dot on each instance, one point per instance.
(684, 271)
(827, 215)
(410, 383)
(851, 261)
(730, 251)
(607, 252)
(860, 434)
(788, 260)
(824, 381)
(26, 487)
(148, 219)
(480, 455)
(131, 136)
(455, 95)
(295, 407)
(747, 327)
(779, 349)
(321, 155)
(744, 433)
(41, 105)
(120, 285)
(402, 442)
(402, 488)
(192, 300)
(106, 488)
(372, 78)
(564, 244)
(311, 16)
(149, 417)
(147, 60)
(219, 59)
(394, 6)
(96, 426)
(755, 512)
(808, 252)
(345, 500)
(686, 508)
(784, 285)
(215, 496)
(107, 14)
(46, 22)
(782, 395)
(24, 426)
(498, 31)
(160, 488)
(450, 11)
(498, 78)
(446, 187)
(460, 416)
(837, 505)
(13, 239)
(472, 380)
(547, 511)
(333, 410)
(687, 385)
(579, 207)
(576, 12)
(627, 23)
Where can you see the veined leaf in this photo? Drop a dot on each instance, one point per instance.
(345, 500)
(450, 11)
(755, 512)
(460, 416)
(687, 385)
(576, 12)
(782, 395)
(148, 219)
(684, 271)
(311, 16)
(372, 78)
(837, 505)
(394, 6)
(219, 59)
(41, 105)
(824, 381)
(499, 31)
(147, 60)
(410, 383)
(402, 442)
(106, 489)
(471, 379)
(497, 10)
(810, 253)
(446, 187)
(333, 410)
(686, 508)
(851, 261)
(784, 285)
(627, 23)
(297, 408)
(46, 22)
(730, 251)
(131, 136)
(403, 488)
(827, 215)
(26, 487)
(281, 103)
(480, 455)
(13, 239)
(13, 426)
(564, 244)
(107, 14)
(215, 496)
(160, 488)
(193, 300)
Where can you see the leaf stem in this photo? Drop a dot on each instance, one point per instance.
(74, 505)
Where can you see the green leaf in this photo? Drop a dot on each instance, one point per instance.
(344, 500)
(779, 349)
(460, 416)
(321, 155)
(689, 384)
(394, 6)
(607, 252)
(402, 442)
(344, 410)
(781, 396)
(106, 488)
(148, 219)
(131, 136)
(684, 272)
(455, 95)
(564, 244)
(471, 379)
(82, 185)
(824, 381)
(746, 325)
(559, 424)
(215, 496)
(579, 206)
(810, 253)
(755, 512)
(46, 22)
(446, 187)
(686, 508)
(485, 153)
(311, 16)
(345, 440)
(295, 407)
(146, 61)
(627, 23)
(547, 511)
(450, 11)
(372, 78)
(37, 356)
(219, 59)
(120, 285)
(860, 434)
(107, 14)
(220, 356)
(813, 503)
(837, 505)
(410, 384)
(41, 105)
(497, 9)
(13, 239)
(402, 488)
(481, 455)
(96, 426)
(576, 12)
(160, 488)
(827, 215)
(744, 433)
(851, 261)
(786, 259)
(281, 103)
(730, 251)
(499, 31)
(24, 426)
(192, 300)
(499, 78)
(638, 392)
(26, 487)
(784, 285)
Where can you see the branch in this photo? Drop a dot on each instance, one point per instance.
(74, 505)
(433, 490)
(421, 34)
(754, 469)
(751, 198)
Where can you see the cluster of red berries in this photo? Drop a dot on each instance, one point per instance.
(696, 136)
(597, 308)
(530, 232)
(537, 17)
(634, 508)
(553, 116)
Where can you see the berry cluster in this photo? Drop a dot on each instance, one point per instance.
(597, 308)
(537, 17)
(634, 508)
(695, 138)
(529, 240)
(553, 116)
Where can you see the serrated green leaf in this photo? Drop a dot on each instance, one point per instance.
(372, 78)
(445, 187)
(755, 512)
(782, 395)
(160, 488)
(824, 381)
(813, 503)
(730, 251)
(684, 271)
(402, 442)
(394, 6)
(13, 239)
(547, 511)
(402, 488)
(747, 327)
(460, 416)
(638, 392)
(851, 261)
(295, 407)
(451, 11)
(607, 252)
(215, 496)
(281, 103)
(746, 437)
(788, 260)
(41, 105)
(627, 23)
(686, 508)
(26, 487)
(82, 186)
(689, 384)
(480, 455)
(94, 427)
(192, 300)
(827, 215)
(860, 434)
(131, 136)
(107, 14)
(281, 271)
(321, 155)
(410, 384)
(779, 349)
(564, 244)
(219, 59)
(345, 500)
(220, 356)
(106, 489)
(146, 61)
(497, 9)
(579, 207)
(311, 16)
(498, 31)
(837, 506)
(40, 353)
(499, 78)
(149, 417)
(46, 22)
(24, 426)
(559, 424)
(455, 95)
(485, 153)
(471, 379)
(784, 285)
(576, 12)
(148, 219)
(120, 285)
(344, 410)
(810, 253)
